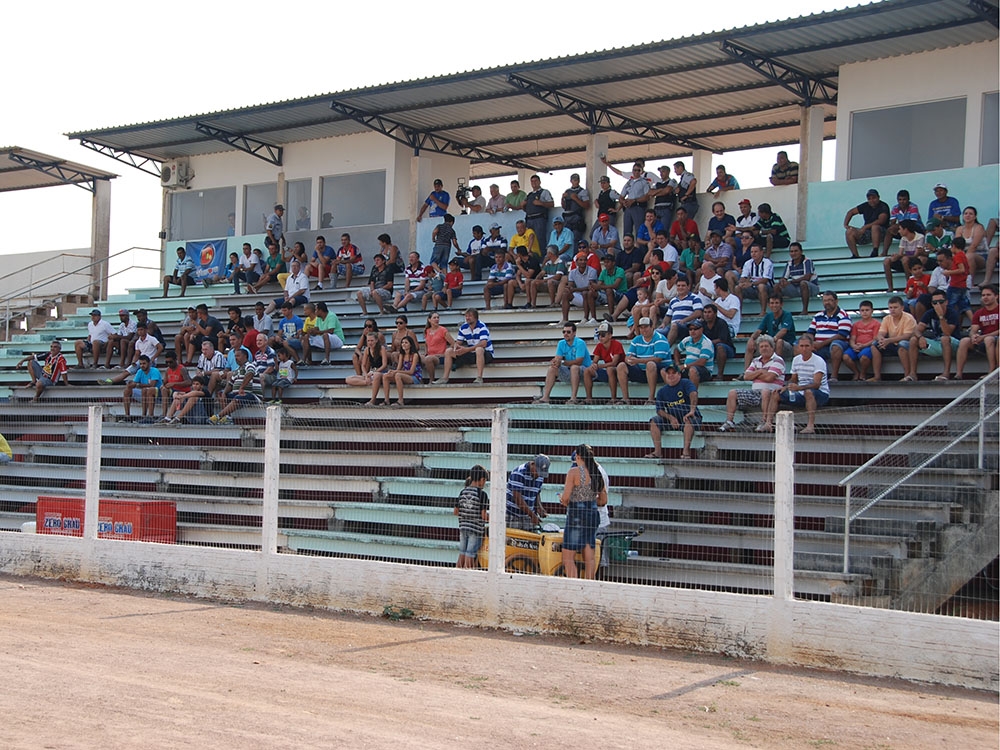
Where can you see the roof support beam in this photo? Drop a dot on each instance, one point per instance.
(987, 11)
(424, 141)
(809, 89)
(59, 170)
(267, 151)
(142, 163)
(599, 119)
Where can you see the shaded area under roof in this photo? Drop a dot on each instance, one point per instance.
(22, 169)
(723, 91)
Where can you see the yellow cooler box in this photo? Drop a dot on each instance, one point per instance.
(533, 552)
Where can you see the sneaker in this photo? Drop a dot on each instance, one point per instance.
(225, 420)
(727, 426)
(301, 363)
(106, 381)
(214, 419)
(441, 381)
(319, 286)
(478, 381)
(325, 363)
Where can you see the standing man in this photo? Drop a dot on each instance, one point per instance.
(664, 194)
(524, 509)
(275, 226)
(496, 203)
(634, 196)
(437, 201)
(473, 345)
(607, 199)
(875, 215)
(784, 172)
(575, 202)
(536, 208)
(687, 190)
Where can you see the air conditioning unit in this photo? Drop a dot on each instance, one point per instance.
(175, 173)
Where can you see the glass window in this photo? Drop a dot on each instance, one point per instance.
(297, 203)
(353, 199)
(201, 214)
(914, 138)
(989, 150)
(258, 204)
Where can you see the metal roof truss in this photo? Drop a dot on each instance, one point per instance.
(809, 89)
(268, 152)
(143, 163)
(60, 171)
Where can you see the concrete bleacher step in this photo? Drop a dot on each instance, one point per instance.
(607, 440)
(446, 491)
(373, 546)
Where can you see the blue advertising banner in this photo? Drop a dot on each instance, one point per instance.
(209, 257)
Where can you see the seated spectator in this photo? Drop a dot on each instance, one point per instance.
(247, 269)
(728, 307)
(936, 335)
(984, 333)
(274, 266)
(186, 332)
(326, 333)
(571, 357)
(349, 262)
(974, 234)
(265, 362)
(605, 234)
(194, 404)
(120, 338)
(98, 333)
(527, 266)
(433, 288)
(320, 264)
(562, 237)
(288, 330)
(629, 259)
(401, 332)
(646, 231)
(757, 277)
(904, 210)
(645, 307)
(681, 312)
(145, 346)
(875, 215)
(608, 354)
(407, 371)
(233, 325)
(894, 338)
(705, 288)
(175, 380)
(695, 354)
(296, 252)
(144, 388)
(648, 353)
(286, 373)
(580, 279)
(682, 228)
(436, 341)
(721, 255)
(771, 230)
(779, 325)
(473, 346)
(226, 275)
(747, 218)
(958, 274)
(524, 236)
(720, 335)
(767, 373)
(46, 369)
(501, 281)
(379, 289)
(676, 409)
(722, 181)
(784, 172)
(859, 350)
(374, 360)
(243, 389)
(993, 256)
(936, 238)
(495, 241)
(211, 365)
(553, 271)
(721, 222)
(414, 284)
(829, 332)
(741, 256)
(206, 328)
(807, 384)
(662, 252)
(444, 238)
(664, 291)
(370, 326)
(945, 209)
(800, 277)
(454, 281)
(473, 252)
(911, 248)
(183, 273)
(917, 291)
(692, 258)
(610, 287)
(296, 289)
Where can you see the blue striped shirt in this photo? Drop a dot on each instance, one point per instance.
(657, 347)
(469, 336)
(682, 308)
(522, 482)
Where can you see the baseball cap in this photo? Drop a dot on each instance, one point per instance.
(933, 223)
(453, 262)
(95, 311)
(542, 465)
(664, 166)
(696, 323)
(494, 225)
(645, 322)
(581, 256)
(558, 220)
(140, 311)
(278, 207)
(871, 192)
(941, 185)
(603, 217)
(583, 245)
(122, 310)
(744, 202)
(604, 327)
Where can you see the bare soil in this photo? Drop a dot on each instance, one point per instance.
(92, 667)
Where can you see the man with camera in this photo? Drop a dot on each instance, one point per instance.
(474, 205)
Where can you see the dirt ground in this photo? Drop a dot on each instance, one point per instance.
(98, 667)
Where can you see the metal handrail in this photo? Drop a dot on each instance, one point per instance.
(979, 425)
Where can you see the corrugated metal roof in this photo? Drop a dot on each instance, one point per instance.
(689, 88)
(23, 169)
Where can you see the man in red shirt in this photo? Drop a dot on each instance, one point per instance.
(607, 354)
(682, 228)
(982, 336)
(46, 370)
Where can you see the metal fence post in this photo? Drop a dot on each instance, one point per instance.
(982, 423)
(498, 490)
(784, 505)
(847, 529)
(92, 493)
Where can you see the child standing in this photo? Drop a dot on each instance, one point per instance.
(472, 509)
(287, 373)
(453, 282)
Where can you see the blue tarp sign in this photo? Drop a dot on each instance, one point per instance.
(209, 257)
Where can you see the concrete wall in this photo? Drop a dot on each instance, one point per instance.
(61, 266)
(875, 642)
(969, 71)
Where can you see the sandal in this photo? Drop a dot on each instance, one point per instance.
(943, 378)
(653, 455)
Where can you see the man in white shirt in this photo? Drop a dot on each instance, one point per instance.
(98, 332)
(807, 384)
(296, 289)
(757, 274)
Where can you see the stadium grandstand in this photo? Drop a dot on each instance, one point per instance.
(892, 500)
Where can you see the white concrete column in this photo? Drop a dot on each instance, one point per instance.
(100, 239)
(597, 146)
(281, 197)
(784, 505)
(421, 183)
(702, 171)
(272, 473)
(498, 514)
(92, 493)
(810, 163)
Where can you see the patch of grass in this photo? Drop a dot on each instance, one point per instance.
(397, 613)
(729, 683)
